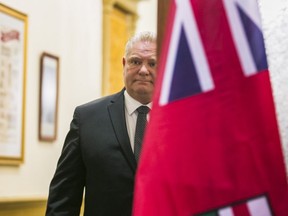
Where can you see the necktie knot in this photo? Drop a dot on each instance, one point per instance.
(143, 109)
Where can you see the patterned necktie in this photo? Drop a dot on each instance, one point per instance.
(140, 128)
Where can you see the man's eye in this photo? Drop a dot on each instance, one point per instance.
(135, 62)
(152, 64)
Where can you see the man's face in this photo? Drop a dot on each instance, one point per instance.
(140, 71)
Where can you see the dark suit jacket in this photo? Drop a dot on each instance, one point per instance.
(96, 156)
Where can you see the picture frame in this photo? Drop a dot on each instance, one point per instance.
(13, 58)
(48, 102)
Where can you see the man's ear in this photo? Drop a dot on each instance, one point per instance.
(123, 61)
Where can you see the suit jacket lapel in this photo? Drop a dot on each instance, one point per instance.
(117, 116)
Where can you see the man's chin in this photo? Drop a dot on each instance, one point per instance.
(145, 83)
(143, 90)
(143, 95)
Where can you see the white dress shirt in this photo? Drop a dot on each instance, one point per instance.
(131, 115)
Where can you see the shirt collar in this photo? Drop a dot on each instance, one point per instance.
(131, 104)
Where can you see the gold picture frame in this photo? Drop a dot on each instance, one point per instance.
(48, 102)
(13, 58)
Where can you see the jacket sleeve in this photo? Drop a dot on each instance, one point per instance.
(66, 187)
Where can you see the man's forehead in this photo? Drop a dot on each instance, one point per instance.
(143, 51)
(147, 55)
(144, 45)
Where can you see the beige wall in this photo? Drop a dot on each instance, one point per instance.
(275, 28)
(73, 31)
(58, 28)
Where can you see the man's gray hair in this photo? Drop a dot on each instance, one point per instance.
(145, 36)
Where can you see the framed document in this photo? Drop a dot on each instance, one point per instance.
(13, 42)
(49, 75)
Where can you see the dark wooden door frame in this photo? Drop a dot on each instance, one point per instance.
(163, 6)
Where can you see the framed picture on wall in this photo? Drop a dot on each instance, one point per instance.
(48, 103)
(13, 43)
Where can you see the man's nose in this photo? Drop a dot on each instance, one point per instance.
(143, 69)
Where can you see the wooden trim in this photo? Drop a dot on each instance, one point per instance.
(163, 7)
(129, 7)
(25, 206)
(22, 206)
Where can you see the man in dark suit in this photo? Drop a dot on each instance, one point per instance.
(98, 153)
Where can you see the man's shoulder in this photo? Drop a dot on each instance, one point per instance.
(102, 102)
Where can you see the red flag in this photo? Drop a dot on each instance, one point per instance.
(212, 139)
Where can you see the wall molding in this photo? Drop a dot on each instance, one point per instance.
(32, 206)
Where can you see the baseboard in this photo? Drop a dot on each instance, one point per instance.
(32, 206)
(22, 206)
